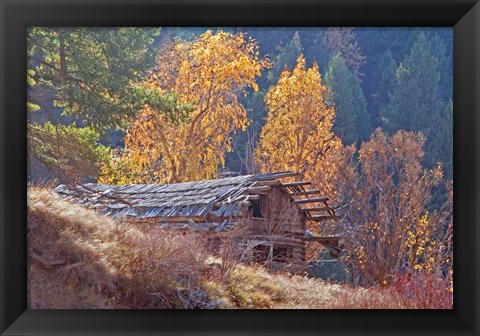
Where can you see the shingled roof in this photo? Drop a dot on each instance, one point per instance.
(224, 196)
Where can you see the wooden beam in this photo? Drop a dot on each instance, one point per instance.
(253, 197)
(311, 200)
(324, 239)
(321, 218)
(293, 184)
(259, 189)
(273, 176)
(316, 209)
(275, 239)
(306, 192)
(269, 183)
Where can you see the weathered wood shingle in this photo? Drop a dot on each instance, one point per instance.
(188, 199)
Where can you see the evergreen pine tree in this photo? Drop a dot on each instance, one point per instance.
(285, 59)
(416, 103)
(313, 47)
(352, 121)
(384, 87)
(445, 64)
(442, 141)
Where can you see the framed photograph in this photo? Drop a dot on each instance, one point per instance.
(207, 167)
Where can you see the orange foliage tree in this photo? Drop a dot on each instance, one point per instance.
(298, 132)
(385, 222)
(341, 41)
(210, 73)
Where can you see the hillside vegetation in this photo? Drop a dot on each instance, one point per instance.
(364, 115)
(81, 259)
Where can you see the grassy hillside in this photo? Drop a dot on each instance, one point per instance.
(81, 259)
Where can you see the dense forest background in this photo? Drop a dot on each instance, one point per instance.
(393, 78)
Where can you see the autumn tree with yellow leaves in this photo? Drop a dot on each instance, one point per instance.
(298, 132)
(210, 73)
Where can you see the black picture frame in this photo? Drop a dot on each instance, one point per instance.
(16, 16)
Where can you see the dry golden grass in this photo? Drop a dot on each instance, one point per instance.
(113, 263)
(106, 263)
(254, 287)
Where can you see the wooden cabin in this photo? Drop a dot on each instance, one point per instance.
(265, 215)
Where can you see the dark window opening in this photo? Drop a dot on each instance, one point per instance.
(257, 209)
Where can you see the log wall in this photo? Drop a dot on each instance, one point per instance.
(282, 227)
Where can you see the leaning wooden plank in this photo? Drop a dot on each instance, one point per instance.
(321, 218)
(220, 211)
(311, 200)
(206, 209)
(220, 227)
(228, 210)
(292, 184)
